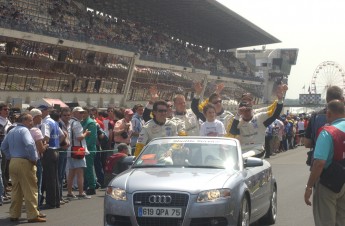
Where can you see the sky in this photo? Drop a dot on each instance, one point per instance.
(315, 27)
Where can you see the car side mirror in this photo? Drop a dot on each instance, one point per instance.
(253, 162)
(128, 161)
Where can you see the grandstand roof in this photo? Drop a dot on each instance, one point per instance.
(201, 22)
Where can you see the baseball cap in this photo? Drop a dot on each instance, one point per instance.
(34, 112)
(128, 112)
(43, 107)
(78, 109)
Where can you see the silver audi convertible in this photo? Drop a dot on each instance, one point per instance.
(194, 181)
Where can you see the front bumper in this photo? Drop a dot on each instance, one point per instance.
(218, 213)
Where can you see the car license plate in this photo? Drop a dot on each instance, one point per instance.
(159, 212)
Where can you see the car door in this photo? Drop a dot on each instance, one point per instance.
(263, 197)
(253, 180)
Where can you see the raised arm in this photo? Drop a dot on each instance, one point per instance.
(195, 102)
(278, 109)
(148, 108)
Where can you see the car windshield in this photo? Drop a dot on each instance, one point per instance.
(193, 153)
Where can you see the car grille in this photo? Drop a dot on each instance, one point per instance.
(142, 199)
(178, 200)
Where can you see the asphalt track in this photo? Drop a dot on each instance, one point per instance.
(289, 168)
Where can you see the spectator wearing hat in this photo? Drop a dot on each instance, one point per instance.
(41, 146)
(53, 135)
(89, 124)
(76, 166)
(123, 129)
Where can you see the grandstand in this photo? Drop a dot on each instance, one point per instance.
(110, 52)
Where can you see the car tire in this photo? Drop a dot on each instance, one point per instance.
(244, 214)
(271, 215)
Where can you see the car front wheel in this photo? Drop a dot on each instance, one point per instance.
(244, 215)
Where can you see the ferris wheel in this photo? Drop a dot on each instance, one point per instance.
(327, 74)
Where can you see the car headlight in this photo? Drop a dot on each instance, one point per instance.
(213, 195)
(116, 193)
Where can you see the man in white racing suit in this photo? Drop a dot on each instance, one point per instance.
(250, 126)
(159, 126)
(186, 116)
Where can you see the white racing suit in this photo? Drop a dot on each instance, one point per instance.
(190, 121)
(153, 130)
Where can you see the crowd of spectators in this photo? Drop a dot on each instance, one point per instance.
(70, 20)
(286, 132)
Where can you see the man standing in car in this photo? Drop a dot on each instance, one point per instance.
(250, 126)
(159, 126)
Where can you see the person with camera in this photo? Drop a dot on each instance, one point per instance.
(123, 129)
(327, 176)
(250, 126)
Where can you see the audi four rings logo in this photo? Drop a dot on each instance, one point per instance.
(162, 199)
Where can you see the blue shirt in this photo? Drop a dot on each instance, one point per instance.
(324, 143)
(137, 124)
(18, 143)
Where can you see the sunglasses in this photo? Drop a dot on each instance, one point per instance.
(162, 110)
(5, 109)
(217, 102)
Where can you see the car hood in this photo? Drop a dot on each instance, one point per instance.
(191, 180)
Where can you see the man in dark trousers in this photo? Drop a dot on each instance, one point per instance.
(328, 204)
(319, 119)
(53, 135)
